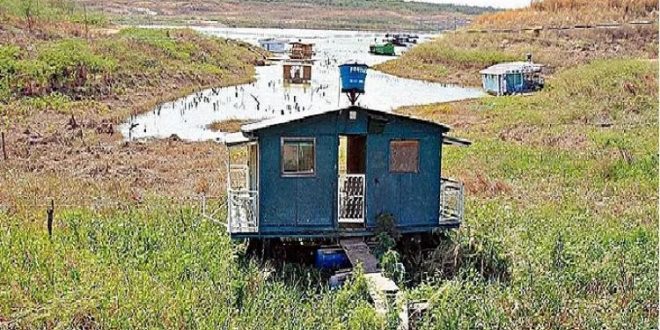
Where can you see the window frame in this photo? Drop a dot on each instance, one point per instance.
(283, 173)
(389, 161)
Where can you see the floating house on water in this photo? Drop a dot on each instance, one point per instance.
(512, 78)
(331, 174)
(274, 45)
(301, 50)
(297, 72)
(401, 39)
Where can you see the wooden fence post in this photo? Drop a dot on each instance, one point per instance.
(4, 151)
(50, 211)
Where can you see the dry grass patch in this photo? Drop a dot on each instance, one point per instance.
(229, 125)
(559, 13)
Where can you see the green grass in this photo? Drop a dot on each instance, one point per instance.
(577, 219)
(553, 204)
(104, 67)
(52, 11)
(161, 266)
(458, 57)
(560, 232)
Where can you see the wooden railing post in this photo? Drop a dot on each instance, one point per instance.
(49, 212)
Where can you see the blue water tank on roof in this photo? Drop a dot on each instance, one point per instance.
(353, 76)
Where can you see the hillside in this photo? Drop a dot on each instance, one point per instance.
(559, 13)
(306, 14)
(457, 57)
(66, 85)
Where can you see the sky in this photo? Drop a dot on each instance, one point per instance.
(484, 3)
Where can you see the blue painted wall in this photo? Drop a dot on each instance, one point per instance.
(296, 206)
(514, 83)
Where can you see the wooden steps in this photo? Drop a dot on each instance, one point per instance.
(358, 252)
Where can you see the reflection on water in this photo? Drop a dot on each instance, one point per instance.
(268, 96)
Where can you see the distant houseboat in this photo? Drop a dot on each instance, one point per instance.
(301, 50)
(297, 72)
(382, 49)
(513, 77)
(273, 45)
(402, 39)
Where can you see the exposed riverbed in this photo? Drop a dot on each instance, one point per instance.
(268, 96)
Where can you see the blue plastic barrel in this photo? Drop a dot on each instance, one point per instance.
(353, 76)
(331, 258)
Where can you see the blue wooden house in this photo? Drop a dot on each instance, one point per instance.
(512, 78)
(330, 174)
(274, 45)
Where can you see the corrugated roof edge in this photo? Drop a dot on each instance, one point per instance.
(507, 67)
(299, 116)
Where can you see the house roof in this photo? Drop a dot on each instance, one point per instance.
(302, 115)
(512, 67)
(243, 136)
(301, 43)
(273, 41)
(236, 138)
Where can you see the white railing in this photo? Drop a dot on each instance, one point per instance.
(451, 201)
(350, 201)
(242, 203)
(242, 211)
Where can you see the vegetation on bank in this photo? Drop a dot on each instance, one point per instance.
(559, 13)
(564, 185)
(305, 14)
(114, 66)
(229, 125)
(458, 57)
(65, 86)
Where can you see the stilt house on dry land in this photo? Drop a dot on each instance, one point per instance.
(274, 45)
(298, 183)
(512, 78)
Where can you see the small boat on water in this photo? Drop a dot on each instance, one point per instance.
(382, 49)
(401, 39)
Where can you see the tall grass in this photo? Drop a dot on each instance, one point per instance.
(571, 12)
(163, 267)
(52, 11)
(578, 221)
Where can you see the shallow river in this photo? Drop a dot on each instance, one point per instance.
(268, 96)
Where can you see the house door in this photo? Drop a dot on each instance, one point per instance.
(253, 166)
(351, 206)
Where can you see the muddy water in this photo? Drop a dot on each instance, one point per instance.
(268, 96)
